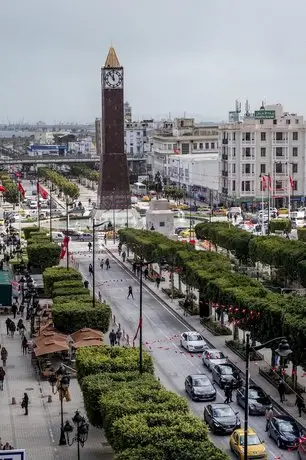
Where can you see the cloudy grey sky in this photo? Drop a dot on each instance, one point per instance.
(193, 56)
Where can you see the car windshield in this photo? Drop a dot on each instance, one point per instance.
(216, 355)
(287, 427)
(226, 370)
(253, 440)
(194, 338)
(223, 412)
(200, 382)
(256, 393)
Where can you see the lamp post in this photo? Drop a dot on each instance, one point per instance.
(67, 231)
(62, 388)
(82, 428)
(50, 211)
(283, 351)
(94, 226)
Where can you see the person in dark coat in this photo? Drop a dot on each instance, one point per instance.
(2, 375)
(112, 337)
(14, 309)
(25, 403)
(299, 402)
(7, 323)
(281, 390)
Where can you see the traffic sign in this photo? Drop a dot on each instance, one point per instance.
(265, 114)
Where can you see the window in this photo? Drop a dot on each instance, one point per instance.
(246, 136)
(295, 136)
(233, 186)
(234, 168)
(279, 136)
(296, 121)
(261, 122)
(274, 122)
(206, 145)
(245, 186)
(201, 146)
(278, 168)
(138, 148)
(263, 151)
(246, 152)
(279, 151)
(162, 224)
(195, 146)
(295, 185)
(247, 168)
(234, 151)
(131, 150)
(294, 168)
(278, 185)
(212, 145)
(263, 169)
(234, 136)
(294, 151)
(262, 136)
(287, 122)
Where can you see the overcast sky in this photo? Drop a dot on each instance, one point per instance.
(179, 56)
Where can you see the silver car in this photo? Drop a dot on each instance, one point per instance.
(211, 357)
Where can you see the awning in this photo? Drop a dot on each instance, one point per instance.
(50, 347)
(48, 336)
(88, 342)
(86, 333)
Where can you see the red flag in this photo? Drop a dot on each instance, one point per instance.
(2, 189)
(21, 189)
(42, 192)
(63, 251)
(176, 151)
(66, 241)
(270, 182)
(264, 183)
(291, 182)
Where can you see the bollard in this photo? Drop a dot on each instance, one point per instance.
(49, 399)
(13, 401)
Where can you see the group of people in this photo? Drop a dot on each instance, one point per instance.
(11, 327)
(115, 337)
(6, 446)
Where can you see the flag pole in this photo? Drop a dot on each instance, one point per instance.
(289, 192)
(38, 202)
(262, 207)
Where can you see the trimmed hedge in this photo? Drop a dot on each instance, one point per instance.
(86, 298)
(68, 291)
(68, 284)
(110, 359)
(283, 225)
(29, 231)
(53, 274)
(94, 386)
(43, 254)
(71, 316)
(301, 232)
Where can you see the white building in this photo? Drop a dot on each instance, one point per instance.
(136, 137)
(178, 139)
(268, 143)
(82, 147)
(159, 217)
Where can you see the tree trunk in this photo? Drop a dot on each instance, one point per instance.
(294, 376)
(235, 332)
(180, 284)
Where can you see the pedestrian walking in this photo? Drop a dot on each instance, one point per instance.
(4, 356)
(21, 309)
(299, 402)
(228, 394)
(25, 403)
(157, 281)
(146, 273)
(2, 375)
(100, 296)
(105, 239)
(123, 256)
(112, 337)
(90, 269)
(119, 249)
(281, 390)
(24, 346)
(130, 293)
(119, 335)
(107, 264)
(101, 264)
(134, 267)
(86, 284)
(89, 246)
(14, 309)
(12, 328)
(7, 323)
(269, 414)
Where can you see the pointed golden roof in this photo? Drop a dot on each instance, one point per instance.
(112, 59)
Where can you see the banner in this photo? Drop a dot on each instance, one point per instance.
(41, 191)
(21, 189)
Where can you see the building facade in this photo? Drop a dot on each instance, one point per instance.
(269, 146)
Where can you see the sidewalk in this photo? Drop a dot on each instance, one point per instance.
(219, 343)
(39, 432)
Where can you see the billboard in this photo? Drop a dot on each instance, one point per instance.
(265, 114)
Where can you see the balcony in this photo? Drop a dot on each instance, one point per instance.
(225, 173)
(224, 156)
(224, 141)
(280, 141)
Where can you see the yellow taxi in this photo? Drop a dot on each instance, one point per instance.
(188, 233)
(256, 447)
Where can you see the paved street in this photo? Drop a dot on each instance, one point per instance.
(161, 330)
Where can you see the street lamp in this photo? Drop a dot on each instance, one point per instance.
(82, 428)
(283, 351)
(94, 226)
(63, 382)
(50, 210)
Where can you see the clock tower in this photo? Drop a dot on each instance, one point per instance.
(113, 190)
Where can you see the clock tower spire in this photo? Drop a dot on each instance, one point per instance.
(113, 190)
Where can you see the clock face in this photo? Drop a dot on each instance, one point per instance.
(113, 79)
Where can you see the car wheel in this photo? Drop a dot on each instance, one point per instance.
(278, 443)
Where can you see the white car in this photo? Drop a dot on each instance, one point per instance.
(193, 341)
(211, 357)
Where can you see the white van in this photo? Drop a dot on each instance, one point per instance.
(58, 236)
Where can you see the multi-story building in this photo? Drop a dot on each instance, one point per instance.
(137, 144)
(269, 143)
(177, 146)
(127, 112)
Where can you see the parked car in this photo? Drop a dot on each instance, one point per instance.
(221, 418)
(226, 373)
(58, 236)
(85, 236)
(211, 357)
(285, 432)
(259, 401)
(256, 447)
(193, 341)
(200, 388)
(33, 204)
